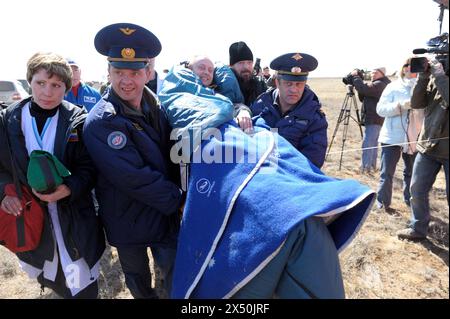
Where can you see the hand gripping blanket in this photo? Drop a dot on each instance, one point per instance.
(246, 193)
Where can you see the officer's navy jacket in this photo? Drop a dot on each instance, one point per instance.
(305, 127)
(136, 195)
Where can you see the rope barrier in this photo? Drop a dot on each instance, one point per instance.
(389, 145)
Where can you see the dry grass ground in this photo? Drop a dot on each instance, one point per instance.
(375, 265)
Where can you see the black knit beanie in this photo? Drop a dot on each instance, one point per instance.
(239, 51)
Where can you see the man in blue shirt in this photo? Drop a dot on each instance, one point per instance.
(81, 94)
(293, 108)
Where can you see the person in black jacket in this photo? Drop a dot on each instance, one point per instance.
(67, 259)
(241, 62)
(369, 94)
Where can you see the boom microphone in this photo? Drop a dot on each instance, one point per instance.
(420, 51)
(431, 50)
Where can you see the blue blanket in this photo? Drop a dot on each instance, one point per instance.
(238, 214)
(246, 192)
(227, 84)
(193, 109)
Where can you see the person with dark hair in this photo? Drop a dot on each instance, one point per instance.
(128, 137)
(293, 108)
(67, 259)
(266, 73)
(104, 89)
(241, 62)
(431, 94)
(269, 78)
(369, 94)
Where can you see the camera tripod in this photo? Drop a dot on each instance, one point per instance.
(344, 116)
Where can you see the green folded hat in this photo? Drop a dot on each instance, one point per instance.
(45, 172)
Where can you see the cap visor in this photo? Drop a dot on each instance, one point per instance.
(129, 65)
(293, 78)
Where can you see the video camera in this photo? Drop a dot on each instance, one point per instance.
(348, 79)
(438, 46)
(257, 67)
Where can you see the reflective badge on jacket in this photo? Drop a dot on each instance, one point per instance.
(117, 140)
(90, 99)
(302, 122)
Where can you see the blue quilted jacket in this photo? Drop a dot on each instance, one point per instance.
(305, 127)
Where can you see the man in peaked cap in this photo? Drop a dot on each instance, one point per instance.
(293, 108)
(127, 136)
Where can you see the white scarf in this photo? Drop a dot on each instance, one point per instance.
(77, 273)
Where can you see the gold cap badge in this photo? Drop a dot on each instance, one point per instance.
(127, 31)
(297, 57)
(128, 53)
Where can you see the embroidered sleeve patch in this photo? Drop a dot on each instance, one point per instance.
(117, 140)
(73, 136)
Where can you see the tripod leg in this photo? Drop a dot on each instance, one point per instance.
(344, 135)
(357, 116)
(340, 118)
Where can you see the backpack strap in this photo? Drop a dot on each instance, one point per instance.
(11, 157)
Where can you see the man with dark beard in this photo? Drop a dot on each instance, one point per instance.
(241, 62)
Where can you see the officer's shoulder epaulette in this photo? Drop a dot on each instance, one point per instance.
(109, 108)
(105, 109)
(321, 112)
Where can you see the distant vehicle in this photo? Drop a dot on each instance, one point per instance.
(25, 85)
(12, 91)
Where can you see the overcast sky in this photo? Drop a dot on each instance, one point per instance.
(342, 35)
